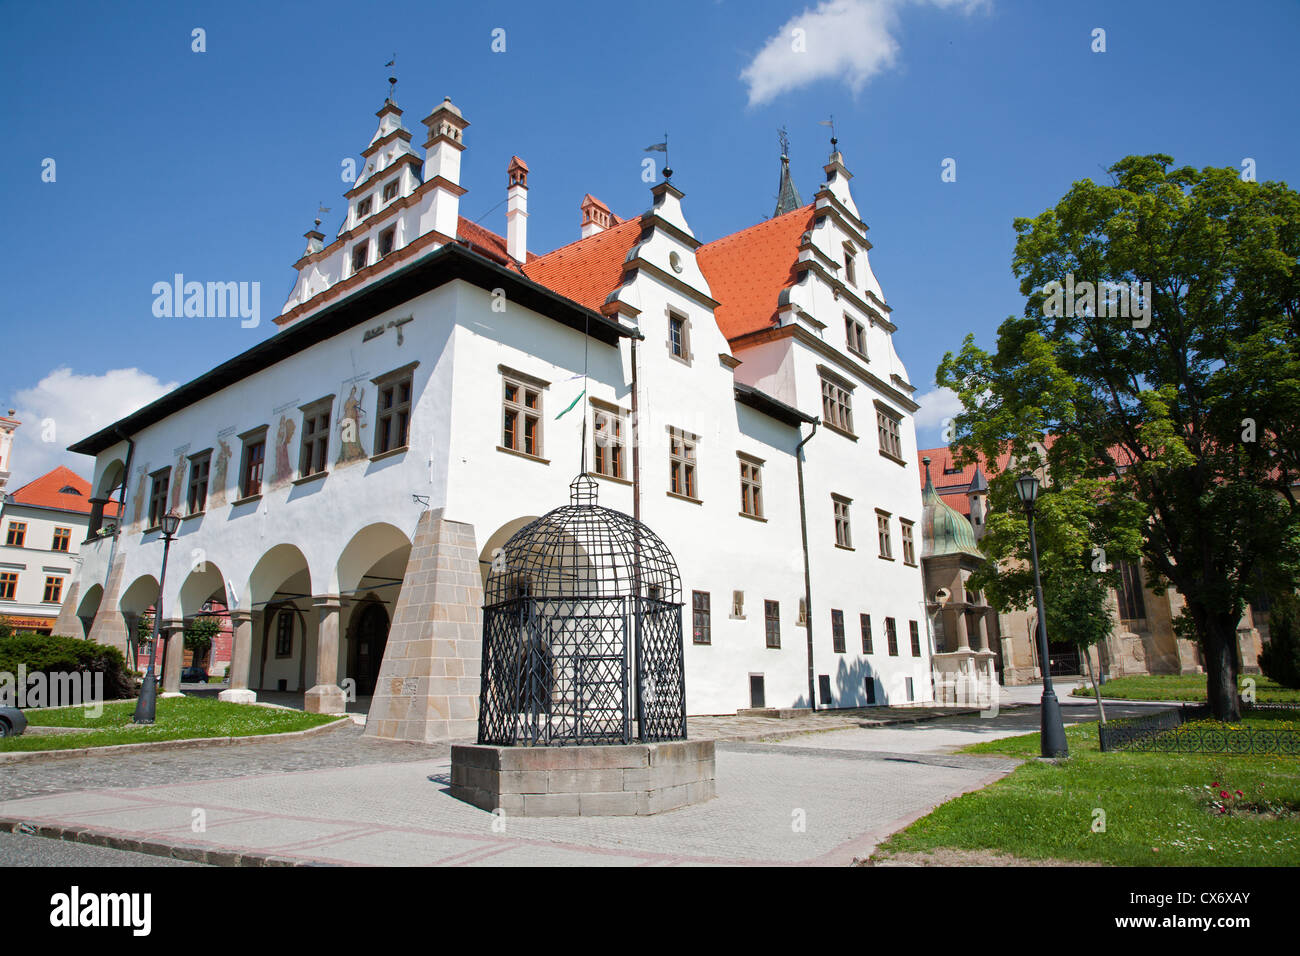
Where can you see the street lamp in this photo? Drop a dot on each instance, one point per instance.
(1051, 731)
(146, 705)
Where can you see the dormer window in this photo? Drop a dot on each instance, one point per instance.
(390, 191)
(363, 208)
(387, 239)
(69, 490)
(360, 256)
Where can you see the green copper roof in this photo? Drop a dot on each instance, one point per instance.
(944, 529)
(787, 197)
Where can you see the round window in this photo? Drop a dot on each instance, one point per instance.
(675, 261)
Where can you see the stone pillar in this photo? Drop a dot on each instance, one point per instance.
(109, 627)
(241, 650)
(981, 630)
(68, 624)
(172, 631)
(428, 681)
(963, 639)
(326, 696)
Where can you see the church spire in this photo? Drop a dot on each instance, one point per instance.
(787, 196)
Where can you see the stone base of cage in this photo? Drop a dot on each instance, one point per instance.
(611, 780)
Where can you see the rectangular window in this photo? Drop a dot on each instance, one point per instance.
(1132, 602)
(681, 464)
(609, 441)
(196, 498)
(915, 633)
(891, 636)
(772, 622)
(855, 336)
(363, 208)
(158, 497)
(701, 626)
(53, 590)
(837, 406)
(909, 543)
(677, 336)
(17, 534)
(837, 631)
(387, 239)
(751, 487)
(393, 415)
(360, 255)
(313, 454)
(882, 532)
(522, 429)
(250, 472)
(865, 621)
(887, 429)
(8, 585)
(850, 267)
(284, 634)
(843, 532)
(390, 190)
(62, 539)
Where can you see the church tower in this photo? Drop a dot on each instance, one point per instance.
(787, 196)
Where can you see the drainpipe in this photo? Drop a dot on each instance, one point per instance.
(121, 502)
(807, 571)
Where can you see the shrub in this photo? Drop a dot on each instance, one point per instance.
(68, 655)
(1280, 658)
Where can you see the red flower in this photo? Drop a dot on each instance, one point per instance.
(1215, 784)
(1239, 793)
(1224, 794)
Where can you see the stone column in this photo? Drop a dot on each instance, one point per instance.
(172, 631)
(981, 630)
(428, 681)
(963, 639)
(241, 650)
(109, 627)
(326, 696)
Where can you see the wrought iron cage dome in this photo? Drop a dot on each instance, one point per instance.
(582, 632)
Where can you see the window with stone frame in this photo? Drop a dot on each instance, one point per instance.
(254, 462)
(8, 585)
(679, 336)
(609, 439)
(196, 492)
(909, 541)
(393, 409)
(751, 486)
(843, 530)
(914, 631)
(1132, 601)
(17, 534)
(888, 431)
(837, 406)
(53, 590)
(360, 255)
(891, 636)
(837, 631)
(883, 536)
(864, 621)
(701, 625)
(62, 539)
(387, 239)
(390, 189)
(850, 266)
(681, 464)
(521, 414)
(158, 496)
(772, 623)
(855, 336)
(314, 447)
(363, 208)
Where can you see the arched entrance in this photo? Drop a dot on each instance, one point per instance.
(366, 643)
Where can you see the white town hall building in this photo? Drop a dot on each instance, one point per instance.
(345, 483)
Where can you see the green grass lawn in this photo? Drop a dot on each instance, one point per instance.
(178, 718)
(1159, 808)
(1184, 687)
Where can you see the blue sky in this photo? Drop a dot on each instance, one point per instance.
(212, 164)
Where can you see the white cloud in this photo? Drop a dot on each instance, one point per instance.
(65, 407)
(852, 40)
(937, 405)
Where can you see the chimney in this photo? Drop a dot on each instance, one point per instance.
(517, 209)
(596, 216)
(442, 166)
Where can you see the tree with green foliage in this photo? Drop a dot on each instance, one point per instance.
(1174, 404)
(199, 634)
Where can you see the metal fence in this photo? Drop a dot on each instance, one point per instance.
(1174, 731)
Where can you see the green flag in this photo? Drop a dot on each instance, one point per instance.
(571, 404)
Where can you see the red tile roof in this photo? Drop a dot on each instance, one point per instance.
(47, 491)
(486, 242)
(748, 270)
(589, 269)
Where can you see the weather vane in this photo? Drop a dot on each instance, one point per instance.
(392, 80)
(831, 123)
(662, 148)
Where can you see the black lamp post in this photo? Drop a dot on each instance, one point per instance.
(1052, 730)
(146, 705)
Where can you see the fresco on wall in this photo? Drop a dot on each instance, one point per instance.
(220, 469)
(137, 514)
(283, 438)
(352, 420)
(178, 478)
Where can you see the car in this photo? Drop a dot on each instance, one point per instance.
(194, 675)
(12, 722)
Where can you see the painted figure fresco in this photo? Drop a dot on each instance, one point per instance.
(217, 496)
(178, 482)
(137, 515)
(283, 438)
(350, 425)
